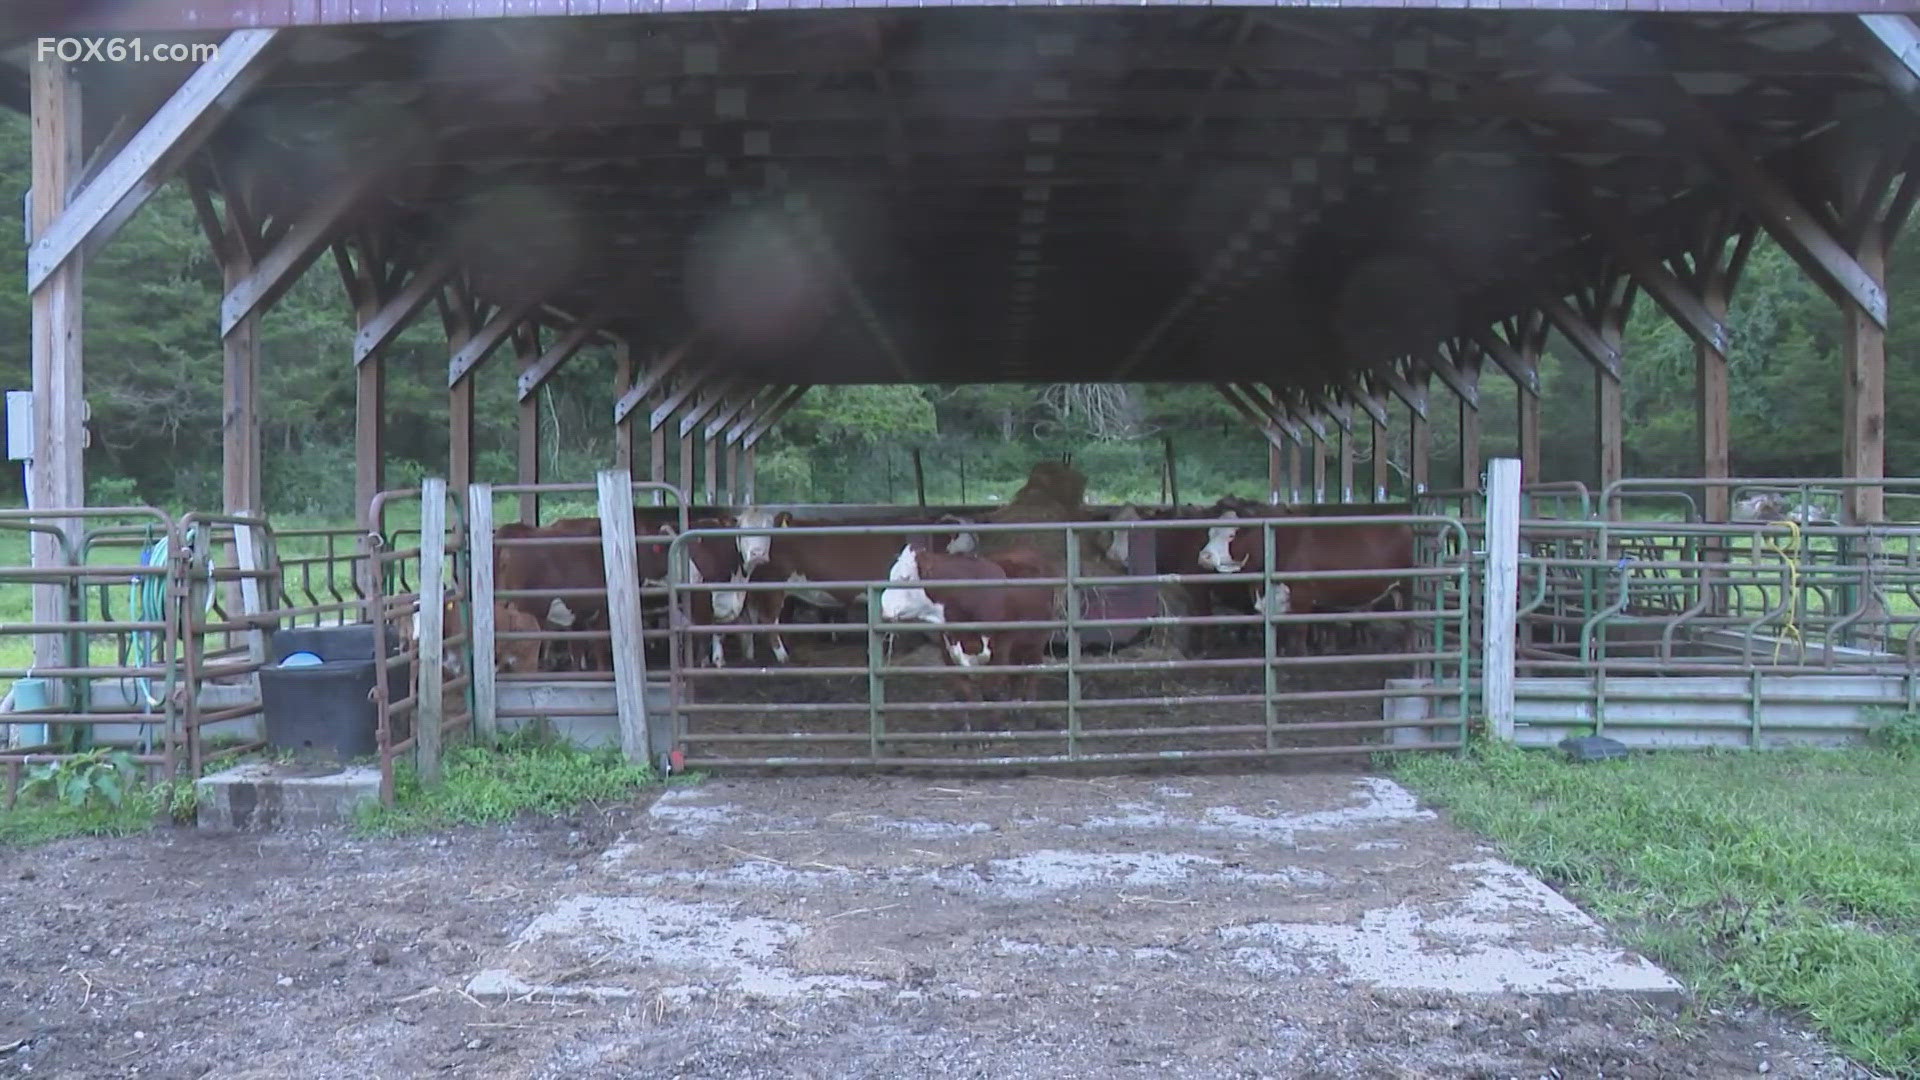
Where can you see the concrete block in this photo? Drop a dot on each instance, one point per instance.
(261, 796)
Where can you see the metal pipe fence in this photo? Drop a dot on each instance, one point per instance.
(857, 706)
(113, 654)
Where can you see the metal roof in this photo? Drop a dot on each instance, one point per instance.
(971, 194)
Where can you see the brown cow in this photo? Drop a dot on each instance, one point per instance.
(1331, 546)
(780, 556)
(917, 570)
(1177, 551)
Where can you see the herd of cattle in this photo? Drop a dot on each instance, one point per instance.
(553, 578)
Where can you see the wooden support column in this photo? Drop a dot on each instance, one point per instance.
(1382, 464)
(1274, 468)
(1871, 222)
(1419, 451)
(526, 342)
(1726, 241)
(1320, 466)
(240, 487)
(1518, 354)
(1461, 371)
(456, 313)
(56, 477)
(623, 427)
(1864, 394)
(1595, 324)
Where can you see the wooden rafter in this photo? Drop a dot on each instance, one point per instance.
(171, 135)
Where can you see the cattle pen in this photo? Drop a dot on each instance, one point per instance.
(1335, 217)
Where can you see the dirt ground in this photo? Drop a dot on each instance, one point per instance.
(750, 927)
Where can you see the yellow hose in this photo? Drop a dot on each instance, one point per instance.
(1787, 553)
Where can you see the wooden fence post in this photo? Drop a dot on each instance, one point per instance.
(623, 611)
(432, 637)
(1502, 595)
(486, 697)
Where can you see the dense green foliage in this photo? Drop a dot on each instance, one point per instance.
(1791, 877)
(154, 375)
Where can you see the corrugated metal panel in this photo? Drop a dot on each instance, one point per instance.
(53, 16)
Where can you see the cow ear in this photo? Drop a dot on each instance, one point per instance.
(782, 519)
(1235, 514)
(667, 529)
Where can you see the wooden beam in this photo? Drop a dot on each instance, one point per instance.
(428, 693)
(380, 327)
(1581, 336)
(457, 315)
(713, 398)
(687, 383)
(735, 411)
(240, 399)
(170, 136)
(486, 339)
(1894, 51)
(1796, 230)
(1464, 388)
(755, 411)
(1382, 449)
(773, 417)
(536, 374)
(1262, 423)
(1278, 413)
(1414, 397)
(282, 264)
(1524, 372)
(656, 374)
(1679, 302)
(1358, 393)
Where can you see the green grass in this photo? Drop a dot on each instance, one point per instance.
(1788, 878)
(41, 820)
(484, 786)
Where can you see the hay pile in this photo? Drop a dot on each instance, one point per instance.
(1053, 492)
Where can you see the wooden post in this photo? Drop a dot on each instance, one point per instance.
(711, 482)
(527, 344)
(369, 435)
(433, 610)
(623, 428)
(486, 696)
(1382, 465)
(1528, 404)
(56, 477)
(1419, 452)
(1864, 392)
(1296, 455)
(1347, 450)
(1274, 471)
(1502, 596)
(240, 391)
(459, 323)
(623, 613)
(1714, 408)
(1469, 447)
(1319, 467)
(749, 465)
(919, 477)
(1173, 470)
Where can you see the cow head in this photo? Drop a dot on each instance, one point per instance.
(755, 547)
(1218, 554)
(712, 559)
(909, 603)
(963, 542)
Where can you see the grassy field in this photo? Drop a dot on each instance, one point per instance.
(1787, 878)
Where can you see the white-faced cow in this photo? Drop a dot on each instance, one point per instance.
(781, 555)
(917, 595)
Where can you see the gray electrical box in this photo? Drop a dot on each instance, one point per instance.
(20, 425)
